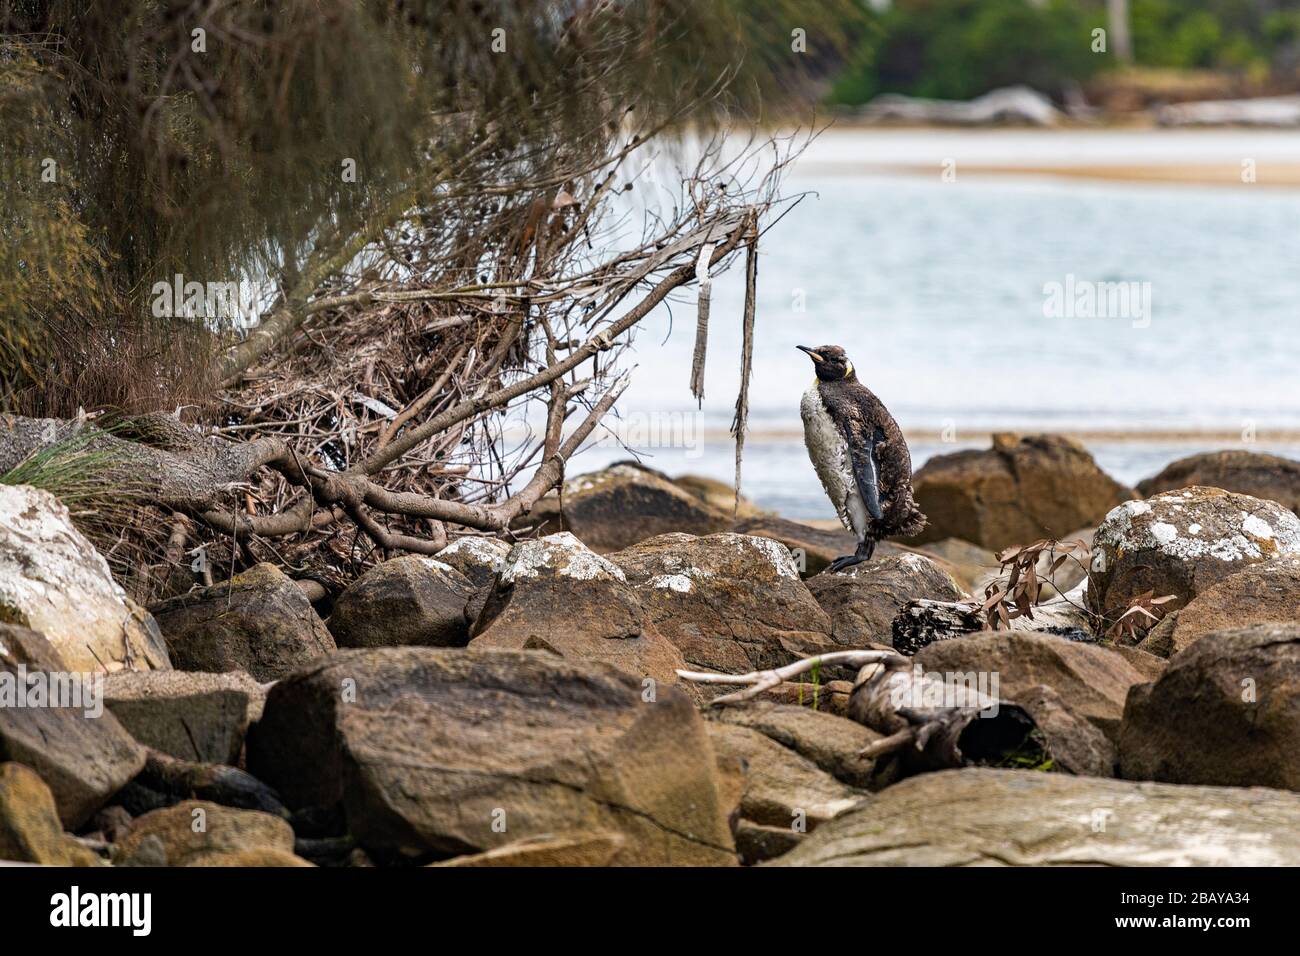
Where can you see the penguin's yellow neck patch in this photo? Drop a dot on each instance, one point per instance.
(848, 370)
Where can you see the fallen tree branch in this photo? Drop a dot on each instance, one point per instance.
(928, 722)
(766, 680)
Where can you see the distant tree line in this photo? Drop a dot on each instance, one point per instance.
(961, 48)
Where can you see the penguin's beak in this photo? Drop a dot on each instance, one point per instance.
(815, 356)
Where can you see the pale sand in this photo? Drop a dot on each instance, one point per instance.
(1126, 154)
(1283, 175)
(1173, 437)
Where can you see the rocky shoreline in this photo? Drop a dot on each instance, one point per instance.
(519, 703)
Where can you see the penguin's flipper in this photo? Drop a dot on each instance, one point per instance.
(866, 466)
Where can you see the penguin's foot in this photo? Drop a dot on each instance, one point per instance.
(865, 550)
(839, 564)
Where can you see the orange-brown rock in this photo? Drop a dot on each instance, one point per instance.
(1258, 594)
(1226, 711)
(1245, 472)
(555, 594)
(621, 505)
(1019, 490)
(442, 752)
(728, 602)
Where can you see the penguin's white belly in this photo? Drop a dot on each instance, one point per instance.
(830, 457)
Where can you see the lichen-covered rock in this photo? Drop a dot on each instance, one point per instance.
(1260, 593)
(478, 558)
(833, 743)
(81, 751)
(864, 600)
(436, 752)
(980, 817)
(1093, 682)
(1246, 472)
(1182, 543)
(557, 595)
(259, 622)
(194, 829)
(1020, 490)
(191, 716)
(611, 509)
(30, 830)
(1226, 711)
(53, 581)
(781, 788)
(811, 548)
(729, 602)
(413, 599)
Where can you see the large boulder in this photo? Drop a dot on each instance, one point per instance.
(611, 509)
(729, 602)
(1259, 593)
(1020, 490)
(981, 817)
(555, 594)
(191, 716)
(1226, 711)
(191, 830)
(52, 580)
(30, 829)
(413, 599)
(1245, 472)
(1092, 681)
(1181, 543)
(81, 752)
(782, 789)
(260, 621)
(812, 548)
(718, 495)
(864, 600)
(436, 752)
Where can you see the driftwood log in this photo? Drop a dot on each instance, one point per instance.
(929, 721)
(922, 622)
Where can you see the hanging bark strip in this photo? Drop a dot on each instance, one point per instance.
(702, 318)
(741, 419)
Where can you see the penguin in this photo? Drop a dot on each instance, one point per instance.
(859, 454)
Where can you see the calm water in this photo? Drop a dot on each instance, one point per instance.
(937, 292)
